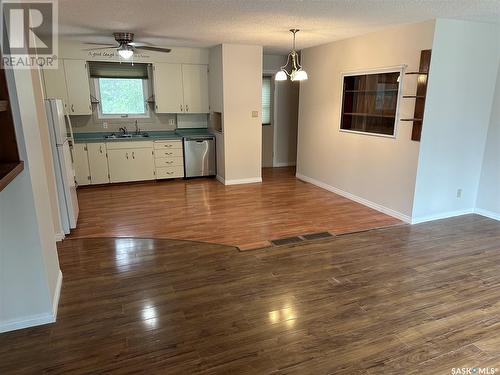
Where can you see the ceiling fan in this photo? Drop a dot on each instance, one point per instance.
(126, 45)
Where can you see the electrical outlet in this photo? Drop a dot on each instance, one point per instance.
(105, 125)
(171, 121)
(255, 114)
(459, 193)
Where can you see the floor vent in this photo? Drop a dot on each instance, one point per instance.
(286, 241)
(316, 236)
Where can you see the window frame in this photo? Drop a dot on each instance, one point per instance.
(117, 116)
(271, 99)
(394, 69)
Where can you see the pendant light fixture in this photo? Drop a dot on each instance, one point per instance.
(296, 73)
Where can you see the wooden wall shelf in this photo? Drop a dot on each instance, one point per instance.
(10, 165)
(8, 171)
(420, 96)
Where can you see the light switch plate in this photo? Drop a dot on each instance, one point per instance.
(255, 114)
(105, 125)
(171, 121)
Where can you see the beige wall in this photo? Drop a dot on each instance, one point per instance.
(378, 171)
(458, 103)
(242, 87)
(488, 198)
(29, 267)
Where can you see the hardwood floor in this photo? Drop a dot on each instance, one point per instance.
(245, 216)
(417, 299)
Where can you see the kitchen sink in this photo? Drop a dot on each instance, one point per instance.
(127, 136)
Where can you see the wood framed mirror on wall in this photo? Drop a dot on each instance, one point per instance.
(10, 165)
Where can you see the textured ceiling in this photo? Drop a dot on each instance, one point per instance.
(204, 23)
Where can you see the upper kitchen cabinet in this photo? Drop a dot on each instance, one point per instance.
(55, 85)
(169, 97)
(195, 85)
(181, 88)
(77, 82)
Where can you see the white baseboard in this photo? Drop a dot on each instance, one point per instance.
(284, 164)
(486, 213)
(442, 215)
(252, 180)
(59, 236)
(355, 198)
(220, 179)
(39, 319)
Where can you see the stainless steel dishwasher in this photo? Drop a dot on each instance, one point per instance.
(199, 156)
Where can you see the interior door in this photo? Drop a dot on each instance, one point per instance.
(195, 84)
(77, 82)
(98, 163)
(168, 88)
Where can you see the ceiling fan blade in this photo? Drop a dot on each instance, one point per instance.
(139, 44)
(155, 49)
(97, 48)
(97, 44)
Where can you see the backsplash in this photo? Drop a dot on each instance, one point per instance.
(157, 122)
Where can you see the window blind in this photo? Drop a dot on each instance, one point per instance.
(98, 69)
(266, 100)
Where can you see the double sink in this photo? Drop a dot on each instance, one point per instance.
(127, 136)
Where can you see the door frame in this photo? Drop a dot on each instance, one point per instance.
(274, 106)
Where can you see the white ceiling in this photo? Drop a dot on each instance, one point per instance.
(204, 23)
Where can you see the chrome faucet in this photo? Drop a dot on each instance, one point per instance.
(124, 130)
(137, 129)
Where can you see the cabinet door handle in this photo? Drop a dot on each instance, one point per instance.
(72, 108)
(133, 155)
(168, 145)
(126, 155)
(181, 107)
(187, 108)
(100, 149)
(169, 162)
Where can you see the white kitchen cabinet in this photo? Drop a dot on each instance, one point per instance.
(55, 85)
(81, 164)
(77, 83)
(181, 88)
(195, 88)
(98, 163)
(169, 160)
(169, 96)
(130, 162)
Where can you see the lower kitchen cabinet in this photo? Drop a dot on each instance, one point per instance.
(98, 163)
(131, 164)
(81, 164)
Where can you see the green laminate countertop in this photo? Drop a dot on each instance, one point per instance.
(152, 136)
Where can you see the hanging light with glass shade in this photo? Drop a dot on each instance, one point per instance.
(292, 68)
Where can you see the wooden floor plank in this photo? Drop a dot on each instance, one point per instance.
(417, 299)
(246, 216)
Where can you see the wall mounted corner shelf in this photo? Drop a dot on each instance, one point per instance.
(420, 96)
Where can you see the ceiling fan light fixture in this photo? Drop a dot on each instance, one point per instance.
(295, 71)
(125, 51)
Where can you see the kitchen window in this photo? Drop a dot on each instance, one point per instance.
(121, 89)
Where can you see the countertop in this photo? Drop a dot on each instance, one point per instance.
(153, 136)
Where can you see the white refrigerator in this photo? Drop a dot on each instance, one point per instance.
(61, 141)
